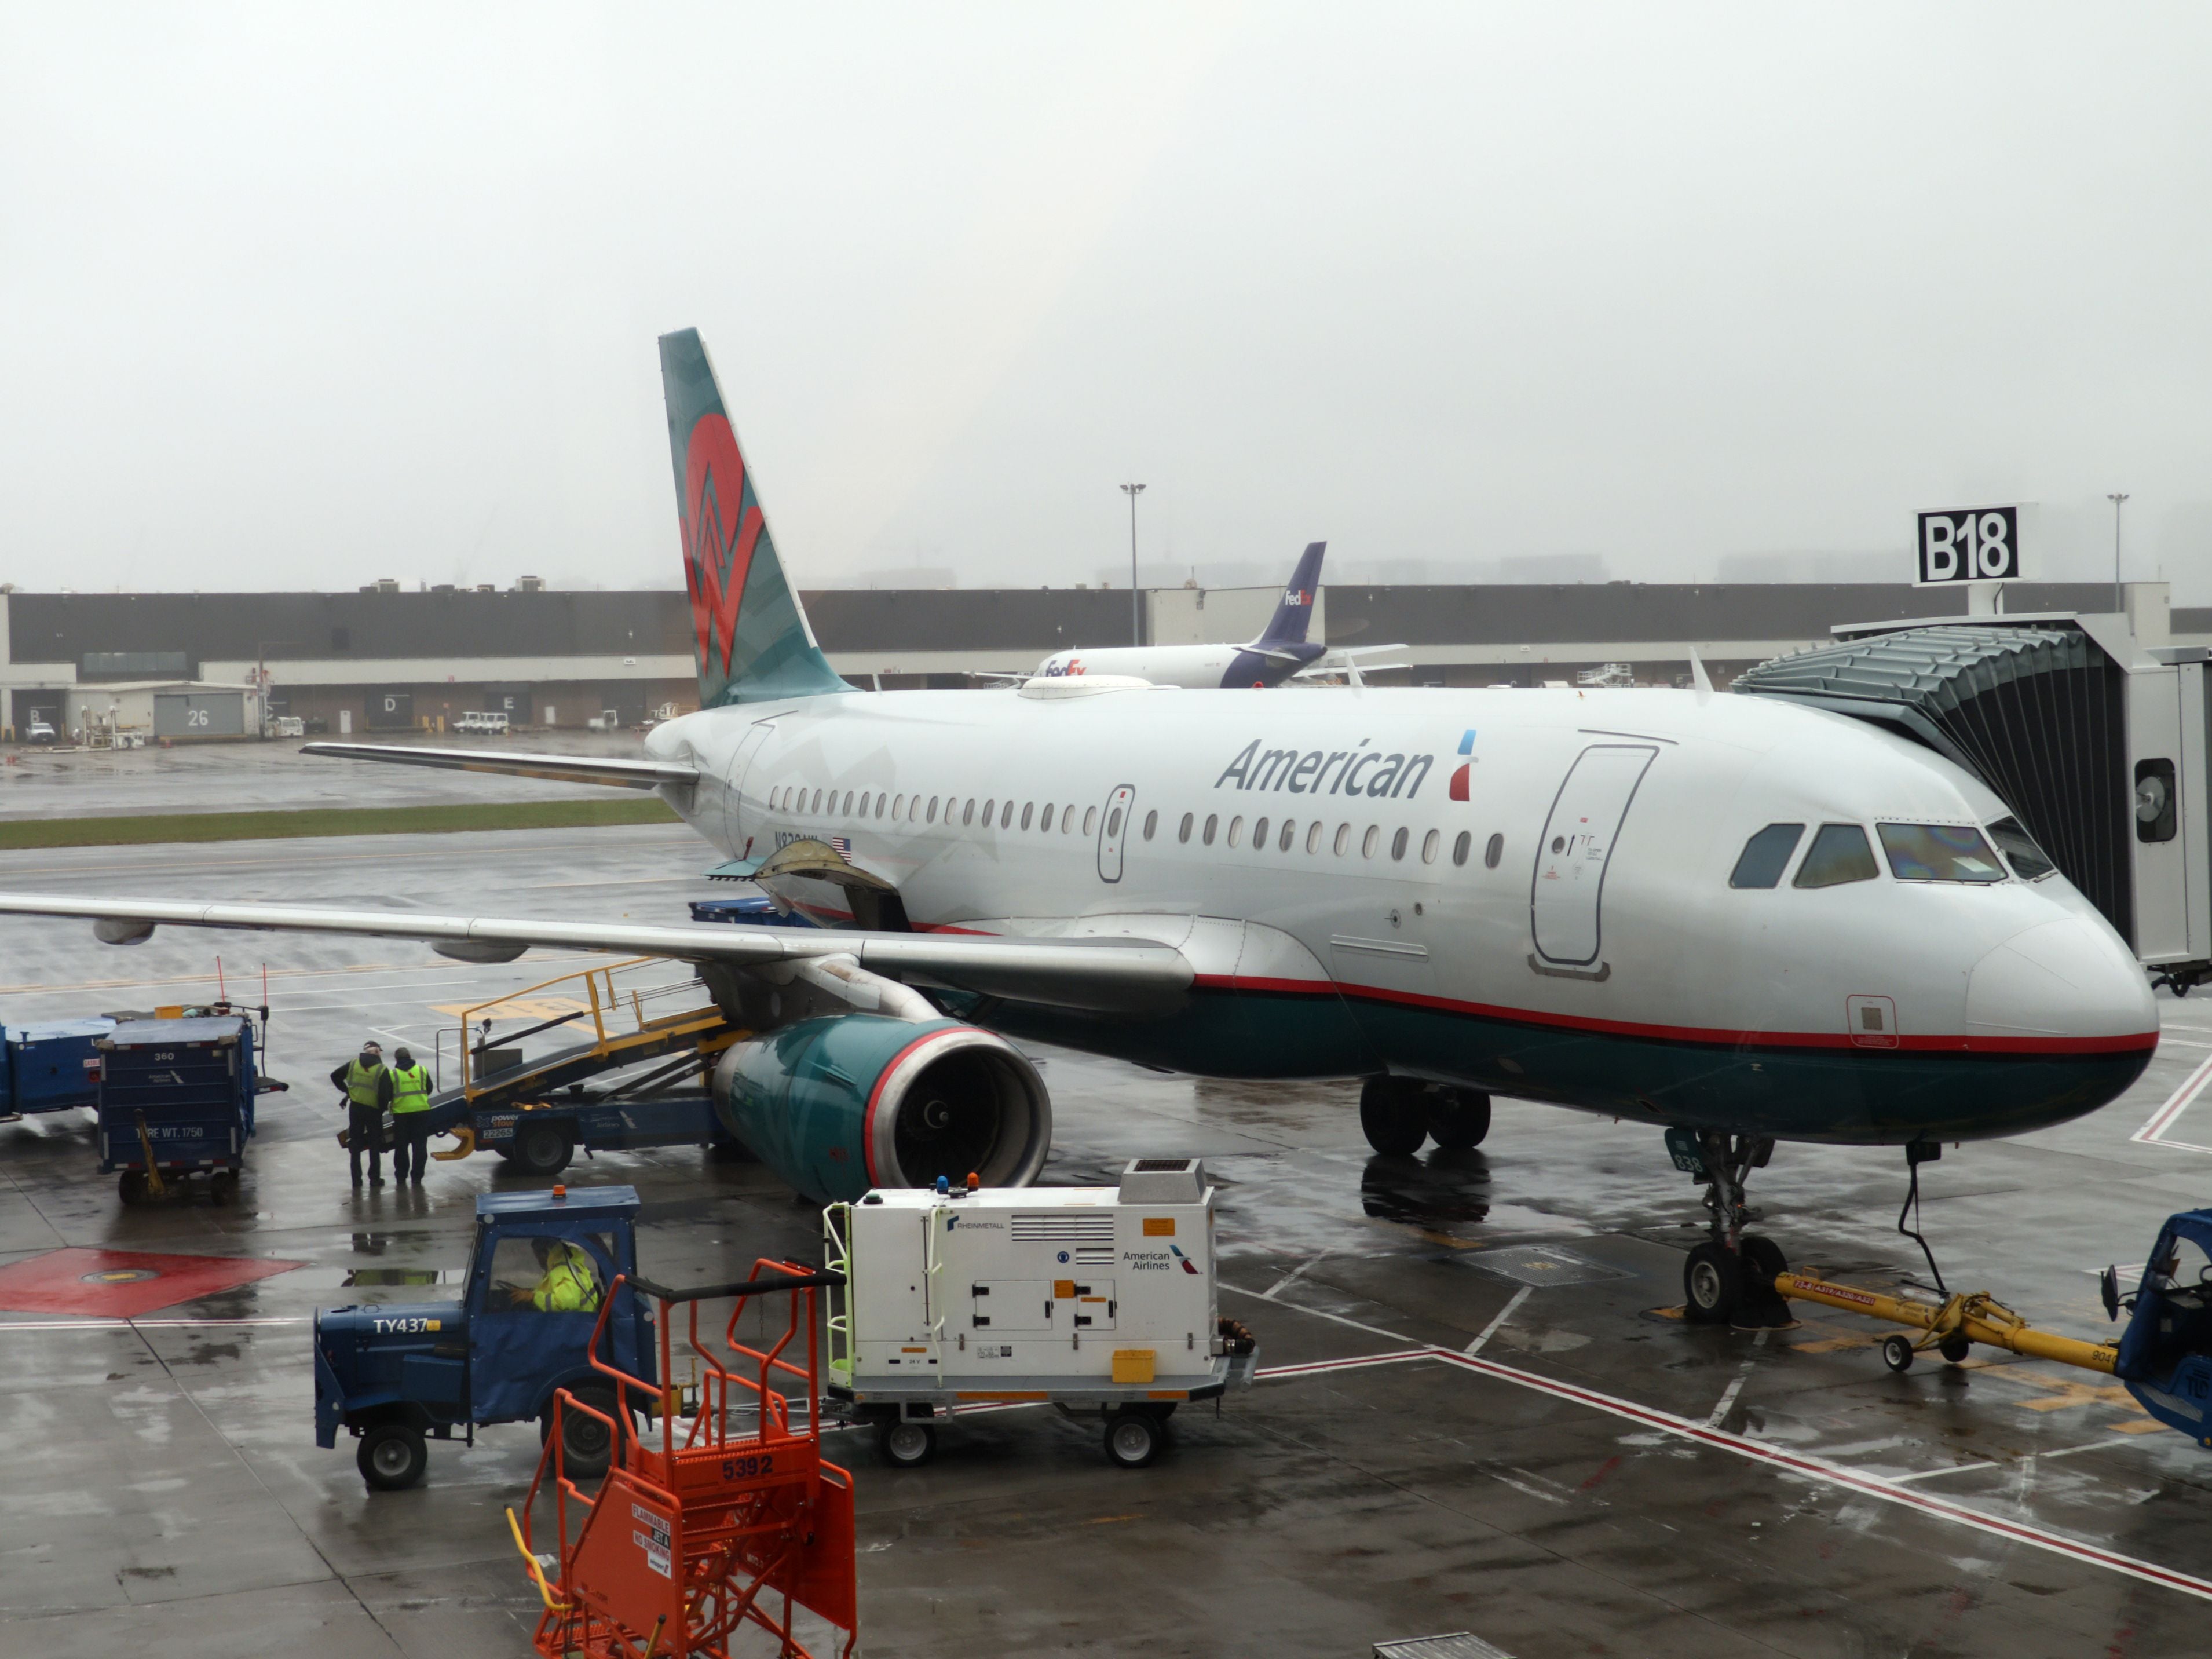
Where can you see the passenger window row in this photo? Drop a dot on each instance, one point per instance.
(1840, 853)
(1285, 835)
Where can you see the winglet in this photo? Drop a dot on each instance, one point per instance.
(1698, 678)
(749, 632)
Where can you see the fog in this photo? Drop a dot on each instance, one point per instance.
(300, 297)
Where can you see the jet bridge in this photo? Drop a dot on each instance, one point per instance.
(2096, 738)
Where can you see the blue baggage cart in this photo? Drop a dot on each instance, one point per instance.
(176, 1099)
(52, 1066)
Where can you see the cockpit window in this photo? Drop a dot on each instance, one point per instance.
(1840, 854)
(2020, 850)
(1939, 852)
(1767, 855)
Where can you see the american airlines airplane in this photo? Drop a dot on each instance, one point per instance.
(1739, 920)
(1281, 650)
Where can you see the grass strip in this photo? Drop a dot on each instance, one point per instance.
(279, 825)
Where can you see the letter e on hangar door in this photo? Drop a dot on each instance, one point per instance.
(1114, 830)
(1578, 841)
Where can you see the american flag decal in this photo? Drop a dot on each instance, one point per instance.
(843, 845)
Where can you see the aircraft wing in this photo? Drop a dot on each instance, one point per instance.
(557, 769)
(1100, 973)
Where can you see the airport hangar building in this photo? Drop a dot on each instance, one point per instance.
(384, 661)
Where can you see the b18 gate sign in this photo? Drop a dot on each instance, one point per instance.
(1969, 545)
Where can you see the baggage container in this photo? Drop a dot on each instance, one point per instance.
(176, 1099)
(52, 1066)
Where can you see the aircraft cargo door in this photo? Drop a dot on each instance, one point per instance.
(1578, 841)
(742, 834)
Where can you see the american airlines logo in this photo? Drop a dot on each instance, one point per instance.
(1361, 771)
(720, 531)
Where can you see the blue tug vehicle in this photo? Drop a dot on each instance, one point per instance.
(398, 1376)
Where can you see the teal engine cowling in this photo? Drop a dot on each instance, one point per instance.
(842, 1104)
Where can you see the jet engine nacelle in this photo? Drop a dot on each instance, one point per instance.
(842, 1104)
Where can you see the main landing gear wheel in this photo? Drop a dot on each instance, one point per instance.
(906, 1445)
(392, 1456)
(1393, 1116)
(1132, 1438)
(1458, 1118)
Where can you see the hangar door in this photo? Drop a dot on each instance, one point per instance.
(390, 711)
(199, 714)
(1578, 841)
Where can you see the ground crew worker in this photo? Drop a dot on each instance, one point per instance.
(569, 1284)
(366, 1090)
(411, 1125)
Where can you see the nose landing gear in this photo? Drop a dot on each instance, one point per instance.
(1729, 1278)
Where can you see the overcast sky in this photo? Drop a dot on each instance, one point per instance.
(299, 296)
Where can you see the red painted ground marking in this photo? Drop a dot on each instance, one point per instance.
(1604, 1472)
(123, 1284)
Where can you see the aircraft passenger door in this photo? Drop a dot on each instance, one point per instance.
(1114, 826)
(739, 833)
(1578, 841)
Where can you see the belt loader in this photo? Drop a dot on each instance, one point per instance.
(1093, 1299)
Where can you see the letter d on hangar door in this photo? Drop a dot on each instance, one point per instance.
(1113, 829)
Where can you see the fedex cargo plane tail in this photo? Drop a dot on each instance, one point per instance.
(749, 631)
(1288, 625)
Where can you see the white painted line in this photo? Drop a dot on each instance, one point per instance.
(1357, 1362)
(1290, 1278)
(2095, 1445)
(1952, 1469)
(1504, 1314)
(1808, 1466)
(1742, 1376)
(2154, 1131)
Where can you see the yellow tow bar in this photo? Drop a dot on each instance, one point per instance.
(1958, 1320)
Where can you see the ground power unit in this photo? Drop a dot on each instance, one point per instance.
(1091, 1298)
(2095, 729)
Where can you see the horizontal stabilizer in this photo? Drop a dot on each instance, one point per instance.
(555, 769)
(1103, 975)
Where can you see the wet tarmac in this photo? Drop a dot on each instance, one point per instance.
(1526, 1446)
(38, 782)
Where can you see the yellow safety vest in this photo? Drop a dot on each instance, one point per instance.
(361, 1083)
(568, 1286)
(410, 1089)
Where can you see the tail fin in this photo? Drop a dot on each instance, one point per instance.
(752, 638)
(1288, 625)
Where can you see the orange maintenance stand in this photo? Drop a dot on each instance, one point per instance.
(728, 1518)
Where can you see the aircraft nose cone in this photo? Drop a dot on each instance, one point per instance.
(2069, 978)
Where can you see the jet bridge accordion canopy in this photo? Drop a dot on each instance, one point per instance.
(2037, 712)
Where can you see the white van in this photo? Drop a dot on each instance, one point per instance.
(495, 724)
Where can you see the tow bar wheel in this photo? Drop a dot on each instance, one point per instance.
(392, 1456)
(906, 1446)
(1897, 1351)
(1132, 1438)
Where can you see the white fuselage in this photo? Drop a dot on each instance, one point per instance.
(1192, 667)
(1566, 930)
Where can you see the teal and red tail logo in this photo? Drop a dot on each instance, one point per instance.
(749, 634)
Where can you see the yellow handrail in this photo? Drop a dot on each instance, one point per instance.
(537, 1571)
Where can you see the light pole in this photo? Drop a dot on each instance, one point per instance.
(2119, 602)
(1136, 629)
